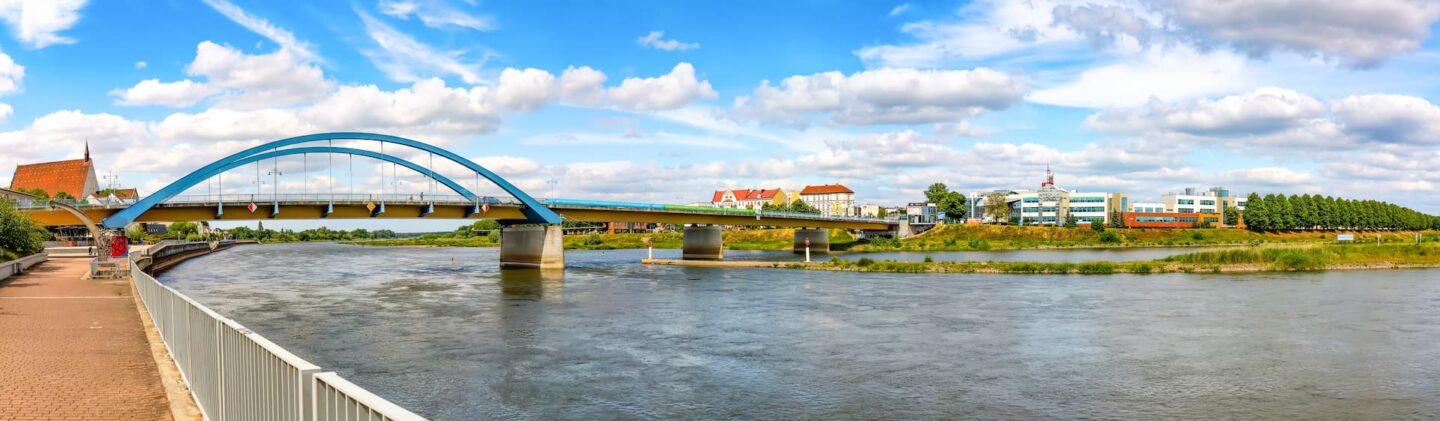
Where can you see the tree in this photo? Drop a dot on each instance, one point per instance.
(182, 230)
(18, 234)
(1257, 213)
(995, 207)
(1117, 219)
(1232, 216)
(936, 193)
(953, 204)
(1097, 226)
(64, 196)
(1071, 220)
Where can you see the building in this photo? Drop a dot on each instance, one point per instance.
(74, 177)
(921, 213)
(1191, 200)
(748, 198)
(1147, 207)
(1171, 219)
(20, 199)
(871, 211)
(830, 199)
(1052, 205)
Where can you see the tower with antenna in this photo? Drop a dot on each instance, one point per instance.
(1049, 177)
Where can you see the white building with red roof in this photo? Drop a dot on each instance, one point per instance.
(747, 198)
(830, 199)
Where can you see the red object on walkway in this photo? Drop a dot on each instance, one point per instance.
(119, 246)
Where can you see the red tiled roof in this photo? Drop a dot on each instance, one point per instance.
(54, 177)
(824, 189)
(746, 194)
(767, 194)
(126, 193)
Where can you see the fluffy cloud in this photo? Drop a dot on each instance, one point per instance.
(883, 96)
(1168, 74)
(655, 40)
(1361, 34)
(183, 93)
(1390, 118)
(1102, 24)
(247, 81)
(437, 14)
(670, 91)
(11, 75)
(1262, 111)
(38, 23)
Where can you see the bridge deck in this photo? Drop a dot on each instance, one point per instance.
(448, 208)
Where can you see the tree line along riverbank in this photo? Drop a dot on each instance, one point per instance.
(1312, 257)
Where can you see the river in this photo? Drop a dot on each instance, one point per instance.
(610, 338)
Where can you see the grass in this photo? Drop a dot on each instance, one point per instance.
(1012, 237)
(1255, 259)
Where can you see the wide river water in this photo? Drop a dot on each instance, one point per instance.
(612, 339)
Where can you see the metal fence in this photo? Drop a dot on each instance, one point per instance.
(236, 374)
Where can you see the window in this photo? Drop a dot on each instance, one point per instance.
(1086, 199)
(1186, 210)
(1164, 219)
(1207, 203)
(1032, 200)
(1185, 201)
(1087, 209)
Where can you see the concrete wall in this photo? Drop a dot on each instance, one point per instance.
(705, 242)
(532, 247)
(18, 266)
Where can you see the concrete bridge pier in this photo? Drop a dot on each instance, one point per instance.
(703, 242)
(532, 247)
(819, 240)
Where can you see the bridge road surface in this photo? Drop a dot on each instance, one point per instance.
(74, 349)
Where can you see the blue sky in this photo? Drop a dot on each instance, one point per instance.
(666, 101)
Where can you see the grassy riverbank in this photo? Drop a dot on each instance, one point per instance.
(1249, 259)
(1011, 237)
(773, 239)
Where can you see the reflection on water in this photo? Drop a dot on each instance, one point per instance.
(609, 338)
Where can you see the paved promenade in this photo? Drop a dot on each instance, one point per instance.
(73, 349)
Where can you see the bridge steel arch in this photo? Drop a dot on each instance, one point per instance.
(534, 211)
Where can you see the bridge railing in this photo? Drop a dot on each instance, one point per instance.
(287, 198)
(236, 374)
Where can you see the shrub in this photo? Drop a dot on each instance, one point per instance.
(1198, 236)
(1142, 268)
(979, 244)
(865, 262)
(1109, 237)
(1097, 226)
(494, 236)
(929, 259)
(593, 240)
(1095, 268)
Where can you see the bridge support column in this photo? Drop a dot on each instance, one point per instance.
(532, 247)
(819, 240)
(705, 242)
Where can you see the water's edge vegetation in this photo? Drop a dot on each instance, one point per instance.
(1235, 260)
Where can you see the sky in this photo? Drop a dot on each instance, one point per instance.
(664, 102)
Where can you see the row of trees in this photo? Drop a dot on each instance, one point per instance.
(1278, 212)
(19, 236)
(44, 195)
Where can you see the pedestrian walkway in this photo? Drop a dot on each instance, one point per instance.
(74, 349)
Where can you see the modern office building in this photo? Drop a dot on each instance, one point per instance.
(1052, 205)
(1171, 219)
(1192, 200)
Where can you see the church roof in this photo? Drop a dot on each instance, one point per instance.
(67, 176)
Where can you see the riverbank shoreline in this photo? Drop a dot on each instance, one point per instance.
(996, 268)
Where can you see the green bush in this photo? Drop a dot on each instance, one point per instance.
(1109, 237)
(929, 259)
(593, 239)
(979, 244)
(865, 262)
(1142, 268)
(1095, 268)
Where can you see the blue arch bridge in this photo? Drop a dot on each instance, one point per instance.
(531, 236)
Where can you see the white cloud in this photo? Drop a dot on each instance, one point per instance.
(1389, 118)
(285, 39)
(1262, 111)
(405, 59)
(978, 30)
(654, 40)
(883, 96)
(181, 93)
(11, 76)
(1359, 33)
(37, 23)
(246, 81)
(141, 65)
(960, 129)
(1168, 74)
(437, 14)
(582, 86)
(902, 8)
(670, 91)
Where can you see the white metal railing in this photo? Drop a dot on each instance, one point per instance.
(236, 374)
(283, 198)
(18, 266)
